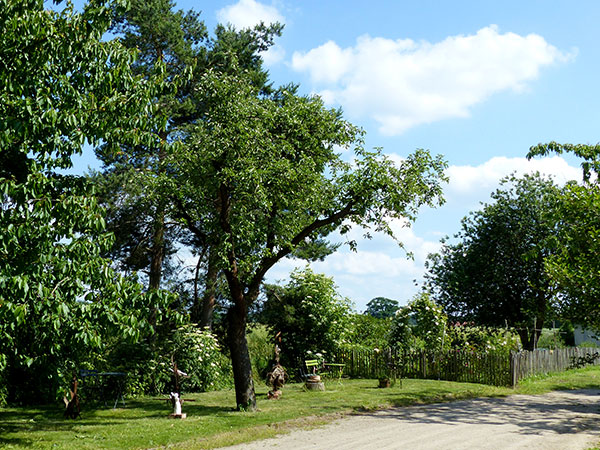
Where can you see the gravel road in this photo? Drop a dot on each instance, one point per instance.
(560, 420)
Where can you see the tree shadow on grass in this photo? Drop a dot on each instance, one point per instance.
(28, 421)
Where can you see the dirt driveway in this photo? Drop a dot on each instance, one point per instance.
(560, 420)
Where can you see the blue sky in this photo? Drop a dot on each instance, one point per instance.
(479, 82)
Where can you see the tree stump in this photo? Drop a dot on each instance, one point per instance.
(314, 385)
(384, 383)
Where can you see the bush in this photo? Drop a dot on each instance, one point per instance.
(466, 336)
(197, 353)
(309, 313)
(149, 368)
(589, 344)
(419, 326)
(366, 332)
(551, 338)
(261, 348)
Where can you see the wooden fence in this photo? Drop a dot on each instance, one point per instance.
(498, 369)
(538, 362)
(465, 366)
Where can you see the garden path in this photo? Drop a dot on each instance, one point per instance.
(560, 420)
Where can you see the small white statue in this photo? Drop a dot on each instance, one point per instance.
(176, 403)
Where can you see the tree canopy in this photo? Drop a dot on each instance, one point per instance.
(381, 307)
(574, 266)
(495, 272)
(256, 175)
(262, 177)
(61, 86)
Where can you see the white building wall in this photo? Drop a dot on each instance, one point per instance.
(582, 335)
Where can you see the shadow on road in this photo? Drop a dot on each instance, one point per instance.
(563, 412)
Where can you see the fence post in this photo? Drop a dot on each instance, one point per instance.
(513, 369)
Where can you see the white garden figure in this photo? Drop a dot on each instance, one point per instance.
(176, 403)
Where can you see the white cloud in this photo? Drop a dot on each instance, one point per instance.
(247, 13)
(402, 83)
(273, 55)
(486, 177)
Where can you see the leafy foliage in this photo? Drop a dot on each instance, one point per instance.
(262, 177)
(367, 332)
(198, 354)
(59, 300)
(381, 307)
(421, 325)
(495, 274)
(465, 336)
(309, 313)
(574, 267)
(262, 350)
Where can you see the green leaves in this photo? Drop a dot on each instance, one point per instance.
(60, 86)
(574, 264)
(494, 274)
(421, 325)
(308, 312)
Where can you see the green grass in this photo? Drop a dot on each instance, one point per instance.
(212, 423)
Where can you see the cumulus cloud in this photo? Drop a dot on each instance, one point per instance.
(402, 83)
(486, 177)
(247, 14)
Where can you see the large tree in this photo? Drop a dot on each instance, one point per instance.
(137, 213)
(575, 265)
(61, 85)
(264, 173)
(382, 307)
(494, 274)
(149, 228)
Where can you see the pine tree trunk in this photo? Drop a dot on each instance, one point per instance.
(209, 298)
(157, 252)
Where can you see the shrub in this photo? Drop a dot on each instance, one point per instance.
(589, 344)
(309, 314)
(551, 338)
(467, 336)
(197, 353)
(419, 326)
(367, 332)
(149, 368)
(261, 348)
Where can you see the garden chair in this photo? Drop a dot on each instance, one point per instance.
(310, 367)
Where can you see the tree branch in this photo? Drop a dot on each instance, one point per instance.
(267, 263)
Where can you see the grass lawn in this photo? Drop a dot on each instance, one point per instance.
(211, 421)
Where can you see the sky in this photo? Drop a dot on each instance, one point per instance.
(478, 82)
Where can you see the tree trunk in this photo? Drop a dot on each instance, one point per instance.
(209, 298)
(526, 339)
(158, 238)
(240, 357)
(529, 338)
(157, 252)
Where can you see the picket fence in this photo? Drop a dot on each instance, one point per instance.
(498, 369)
(525, 364)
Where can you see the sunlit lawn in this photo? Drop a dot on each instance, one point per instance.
(211, 421)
